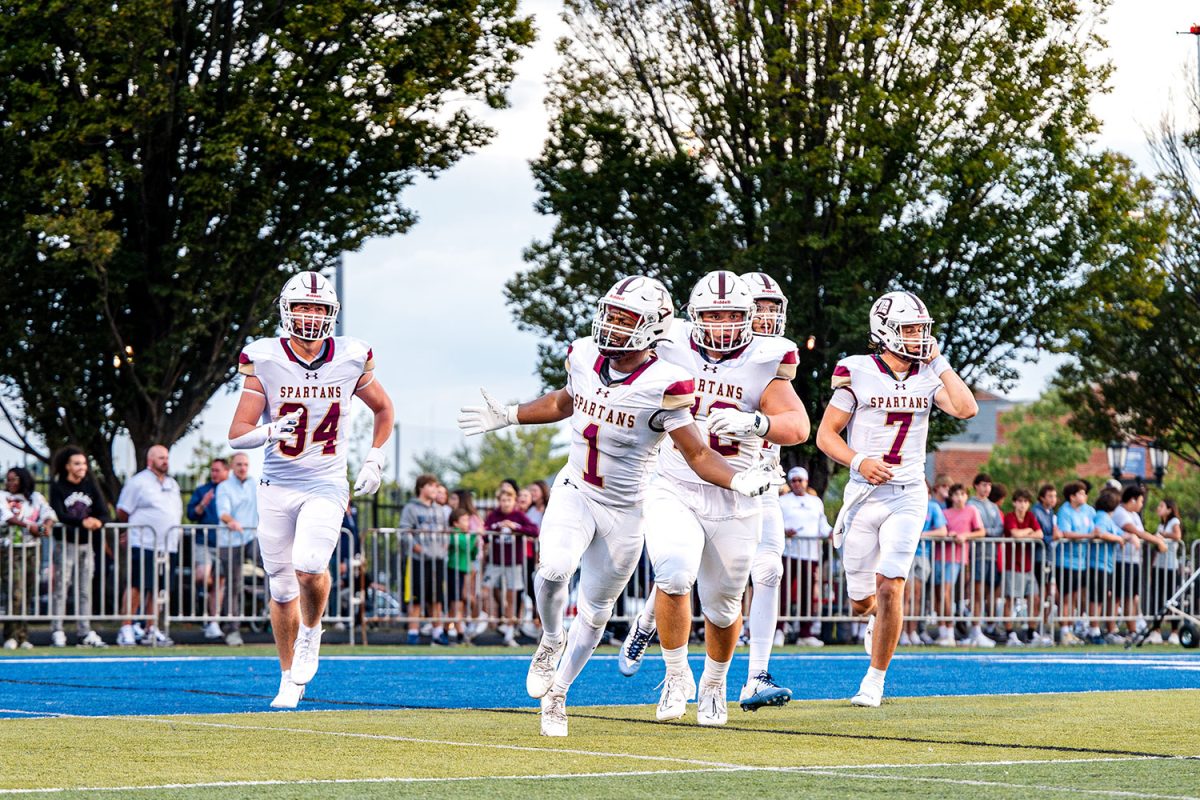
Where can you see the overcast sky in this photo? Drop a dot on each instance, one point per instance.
(431, 304)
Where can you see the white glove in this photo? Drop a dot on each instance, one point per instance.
(757, 480)
(491, 416)
(284, 427)
(731, 422)
(371, 474)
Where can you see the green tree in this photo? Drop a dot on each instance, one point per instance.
(844, 148)
(164, 166)
(443, 467)
(525, 454)
(1038, 446)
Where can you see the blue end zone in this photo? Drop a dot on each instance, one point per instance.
(119, 686)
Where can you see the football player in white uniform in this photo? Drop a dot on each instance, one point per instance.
(702, 535)
(296, 400)
(885, 400)
(622, 400)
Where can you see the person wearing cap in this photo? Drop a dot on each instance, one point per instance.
(804, 525)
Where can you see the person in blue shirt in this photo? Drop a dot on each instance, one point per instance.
(1043, 557)
(1106, 537)
(1075, 520)
(919, 574)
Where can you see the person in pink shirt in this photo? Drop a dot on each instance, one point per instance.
(962, 524)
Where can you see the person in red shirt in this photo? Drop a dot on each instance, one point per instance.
(505, 571)
(1020, 582)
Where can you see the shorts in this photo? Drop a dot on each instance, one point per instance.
(429, 581)
(984, 571)
(921, 569)
(1070, 581)
(504, 576)
(1020, 584)
(1127, 580)
(946, 572)
(881, 535)
(455, 583)
(1100, 583)
(142, 568)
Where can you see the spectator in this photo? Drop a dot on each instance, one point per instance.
(987, 569)
(237, 508)
(539, 492)
(804, 526)
(1020, 577)
(464, 547)
(1106, 539)
(963, 523)
(922, 569)
(1043, 557)
(472, 594)
(25, 516)
(1075, 522)
(504, 573)
(539, 495)
(1165, 580)
(524, 502)
(1127, 577)
(202, 510)
(427, 523)
(81, 510)
(941, 491)
(150, 503)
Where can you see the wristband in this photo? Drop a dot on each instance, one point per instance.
(762, 424)
(939, 365)
(856, 462)
(250, 439)
(510, 414)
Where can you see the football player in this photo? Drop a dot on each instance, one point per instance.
(296, 400)
(622, 400)
(702, 535)
(885, 398)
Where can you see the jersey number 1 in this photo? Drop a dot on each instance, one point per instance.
(326, 431)
(591, 471)
(904, 420)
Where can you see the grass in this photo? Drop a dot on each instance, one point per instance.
(1106, 744)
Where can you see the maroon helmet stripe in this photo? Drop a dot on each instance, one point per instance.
(721, 285)
(624, 287)
(313, 277)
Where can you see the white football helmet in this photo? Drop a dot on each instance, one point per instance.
(646, 299)
(765, 287)
(721, 291)
(308, 287)
(894, 311)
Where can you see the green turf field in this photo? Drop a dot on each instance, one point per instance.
(1127, 744)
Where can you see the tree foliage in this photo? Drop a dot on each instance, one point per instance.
(1038, 446)
(844, 148)
(165, 165)
(525, 454)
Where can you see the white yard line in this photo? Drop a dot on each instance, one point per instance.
(1010, 763)
(995, 784)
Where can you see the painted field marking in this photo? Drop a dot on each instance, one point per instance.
(995, 784)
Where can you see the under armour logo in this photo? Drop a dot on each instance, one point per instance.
(600, 392)
(263, 482)
(899, 387)
(310, 376)
(707, 368)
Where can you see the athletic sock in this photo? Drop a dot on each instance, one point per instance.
(764, 613)
(552, 599)
(581, 642)
(875, 676)
(714, 672)
(645, 620)
(676, 658)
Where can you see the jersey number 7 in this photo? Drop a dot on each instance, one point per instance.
(904, 420)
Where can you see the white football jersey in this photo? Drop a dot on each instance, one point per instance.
(890, 415)
(769, 455)
(736, 381)
(618, 422)
(322, 392)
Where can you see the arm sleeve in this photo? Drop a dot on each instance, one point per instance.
(127, 500)
(406, 519)
(976, 519)
(44, 511)
(527, 526)
(56, 500)
(843, 398)
(1060, 519)
(245, 365)
(681, 394)
(666, 421)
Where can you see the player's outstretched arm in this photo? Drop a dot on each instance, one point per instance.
(493, 415)
(245, 432)
(712, 467)
(955, 398)
(831, 443)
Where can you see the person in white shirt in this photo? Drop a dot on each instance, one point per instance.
(805, 526)
(1127, 582)
(150, 502)
(237, 508)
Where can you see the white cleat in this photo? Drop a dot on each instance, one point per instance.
(554, 714)
(632, 650)
(541, 669)
(870, 695)
(761, 691)
(678, 689)
(289, 693)
(305, 654)
(711, 708)
(869, 634)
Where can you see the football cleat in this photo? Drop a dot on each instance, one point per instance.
(305, 654)
(554, 714)
(632, 650)
(541, 669)
(289, 692)
(711, 709)
(870, 694)
(677, 689)
(761, 691)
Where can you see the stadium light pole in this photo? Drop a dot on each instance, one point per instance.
(339, 327)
